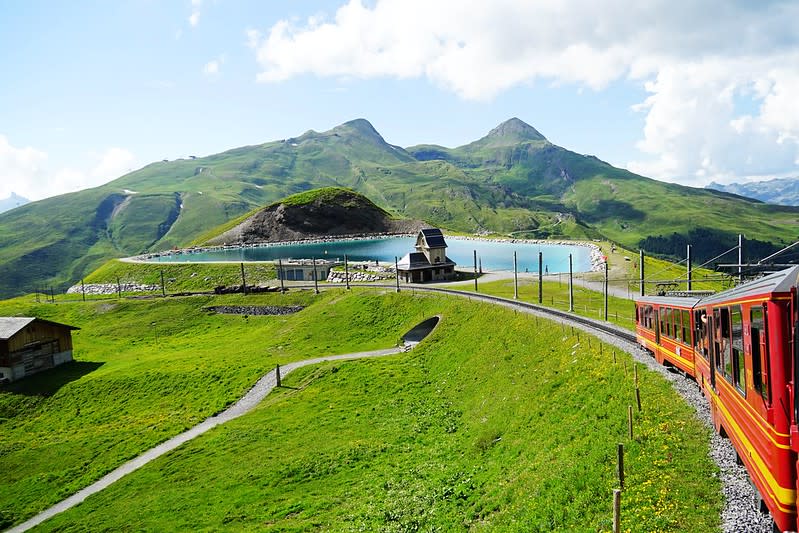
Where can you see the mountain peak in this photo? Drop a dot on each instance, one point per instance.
(517, 130)
(15, 200)
(360, 127)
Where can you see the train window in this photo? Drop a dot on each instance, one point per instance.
(675, 318)
(721, 341)
(725, 341)
(718, 353)
(686, 327)
(738, 366)
(667, 319)
(637, 315)
(700, 325)
(757, 320)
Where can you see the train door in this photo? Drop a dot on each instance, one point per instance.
(657, 326)
(700, 333)
(757, 347)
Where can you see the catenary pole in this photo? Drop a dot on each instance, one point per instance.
(540, 277)
(475, 271)
(641, 264)
(606, 290)
(315, 277)
(571, 286)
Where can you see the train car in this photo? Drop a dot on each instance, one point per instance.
(745, 363)
(665, 327)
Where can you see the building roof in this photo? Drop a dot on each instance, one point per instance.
(11, 325)
(433, 238)
(418, 261)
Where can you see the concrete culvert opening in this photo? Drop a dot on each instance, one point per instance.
(420, 331)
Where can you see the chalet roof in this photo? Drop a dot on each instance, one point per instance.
(418, 261)
(434, 238)
(11, 325)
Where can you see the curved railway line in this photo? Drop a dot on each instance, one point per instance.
(740, 512)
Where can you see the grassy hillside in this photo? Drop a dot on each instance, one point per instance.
(512, 181)
(497, 421)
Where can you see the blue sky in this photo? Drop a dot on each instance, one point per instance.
(680, 91)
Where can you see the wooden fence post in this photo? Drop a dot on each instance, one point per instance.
(630, 421)
(637, 390)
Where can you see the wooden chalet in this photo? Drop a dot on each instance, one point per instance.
(29, 345)
(429, 262)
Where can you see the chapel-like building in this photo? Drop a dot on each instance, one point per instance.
(429, 262)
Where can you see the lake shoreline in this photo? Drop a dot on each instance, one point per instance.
(596, 257)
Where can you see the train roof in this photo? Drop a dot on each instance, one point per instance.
(672, 301)
(781, 281)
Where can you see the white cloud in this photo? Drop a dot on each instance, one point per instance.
(25, 171)
(20, 169)
(694, 132)
(698, 60)
(194, 18)
(111, 164)
(211, 68)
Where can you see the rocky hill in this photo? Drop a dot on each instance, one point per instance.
(319, 213)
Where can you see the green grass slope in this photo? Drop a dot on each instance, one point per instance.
(498, 421)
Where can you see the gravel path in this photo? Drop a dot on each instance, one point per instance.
(246, 404)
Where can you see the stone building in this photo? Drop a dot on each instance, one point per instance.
(305, 269)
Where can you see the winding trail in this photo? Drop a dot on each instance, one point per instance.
(246, 404)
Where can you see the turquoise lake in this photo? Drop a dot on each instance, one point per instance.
(493, 255)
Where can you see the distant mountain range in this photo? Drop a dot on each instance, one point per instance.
(11, 202)
(512, 182)
(780, 191)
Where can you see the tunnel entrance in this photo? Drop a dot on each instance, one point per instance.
(420, 331)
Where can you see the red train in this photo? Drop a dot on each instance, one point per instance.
(739, 347)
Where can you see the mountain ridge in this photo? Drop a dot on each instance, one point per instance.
(778, 191)
(510, 181)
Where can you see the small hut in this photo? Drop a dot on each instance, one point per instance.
(429, 262)
(29, 345)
